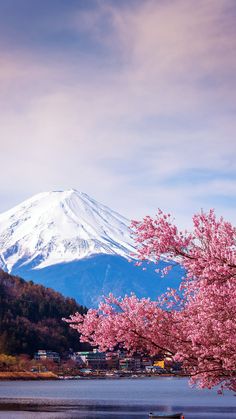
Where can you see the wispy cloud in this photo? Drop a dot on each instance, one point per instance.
(126, 101)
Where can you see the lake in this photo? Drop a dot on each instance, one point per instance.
(111, 399)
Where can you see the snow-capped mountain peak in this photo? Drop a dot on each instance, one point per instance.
(61, 226)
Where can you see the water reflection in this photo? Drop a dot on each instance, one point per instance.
(115, 399)
(20, 411)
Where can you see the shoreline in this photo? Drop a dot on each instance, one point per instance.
(43, 376)
(27, 376)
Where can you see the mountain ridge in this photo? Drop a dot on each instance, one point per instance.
(77, 246)
(61, 226)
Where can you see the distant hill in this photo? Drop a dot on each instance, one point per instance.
(31, 318)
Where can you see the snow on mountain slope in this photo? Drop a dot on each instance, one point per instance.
(61, 226)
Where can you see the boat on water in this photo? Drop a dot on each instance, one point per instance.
(166, 415)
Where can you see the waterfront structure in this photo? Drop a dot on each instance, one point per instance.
(43, 354)
(93, 359)
(112, 359)
(130, 363)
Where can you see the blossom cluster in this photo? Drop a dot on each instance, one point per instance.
(196, 325)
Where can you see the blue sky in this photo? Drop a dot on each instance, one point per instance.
(132, 102)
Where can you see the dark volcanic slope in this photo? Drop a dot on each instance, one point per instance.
(88, 279)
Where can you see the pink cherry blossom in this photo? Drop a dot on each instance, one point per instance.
(196, 324)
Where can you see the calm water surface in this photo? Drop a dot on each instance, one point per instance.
(111, 399)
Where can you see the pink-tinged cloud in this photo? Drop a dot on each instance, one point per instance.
(144, 95)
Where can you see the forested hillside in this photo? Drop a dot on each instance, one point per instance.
(31, 318)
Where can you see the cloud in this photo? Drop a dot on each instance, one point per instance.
(121, 102)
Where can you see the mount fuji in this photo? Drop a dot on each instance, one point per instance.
(81, 248)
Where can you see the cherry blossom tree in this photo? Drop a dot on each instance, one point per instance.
(195, 324)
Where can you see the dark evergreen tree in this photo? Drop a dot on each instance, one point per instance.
(31, 318)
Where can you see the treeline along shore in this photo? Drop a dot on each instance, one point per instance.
(36, 344)
(31, 318)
